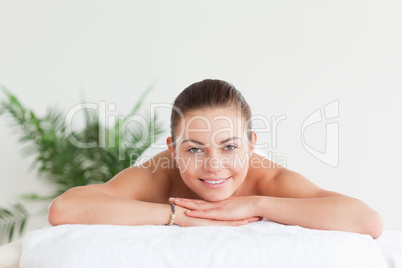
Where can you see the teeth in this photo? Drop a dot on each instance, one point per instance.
(214, 182)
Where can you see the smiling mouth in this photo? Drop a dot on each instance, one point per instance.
(215, 181)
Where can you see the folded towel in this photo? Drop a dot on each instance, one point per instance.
(258, 244)
(10, 254)
(390, 243)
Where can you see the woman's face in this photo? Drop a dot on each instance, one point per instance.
(212, 152)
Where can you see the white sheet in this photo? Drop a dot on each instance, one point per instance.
(259, 244)
(390, 243)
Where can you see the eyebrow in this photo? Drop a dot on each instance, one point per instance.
(200, 143)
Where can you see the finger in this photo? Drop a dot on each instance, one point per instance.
(195, 201)
(189, 208)
(226, 223)
(236, 223)
(199, 201)
(205, 214)
(254, 219)
(195, 205)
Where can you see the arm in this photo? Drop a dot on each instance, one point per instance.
(82, 205)
(289, 198)
(115, 202)
(300, 202)
(135, 196)
(340, 213)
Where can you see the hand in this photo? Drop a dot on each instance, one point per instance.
(231, 209)
(183, 220)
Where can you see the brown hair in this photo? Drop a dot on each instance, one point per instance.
(209, 93)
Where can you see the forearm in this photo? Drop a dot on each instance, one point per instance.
(341, 213)
(81, 206)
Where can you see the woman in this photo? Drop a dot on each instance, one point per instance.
(214, 176)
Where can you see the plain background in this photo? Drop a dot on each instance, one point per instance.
(288, 58)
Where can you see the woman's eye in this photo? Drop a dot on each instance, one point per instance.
(230, 147)
(194, 150)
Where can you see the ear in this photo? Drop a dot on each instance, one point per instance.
(169, 143)
(253, 142)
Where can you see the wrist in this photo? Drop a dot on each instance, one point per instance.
(179, 215)
(173, 214)
(260, 205)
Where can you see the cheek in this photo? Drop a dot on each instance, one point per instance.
(188, 169)
(238, 171)
(239, 162)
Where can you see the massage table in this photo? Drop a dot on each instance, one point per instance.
(258, 244)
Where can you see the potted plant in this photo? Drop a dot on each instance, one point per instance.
(66, 158)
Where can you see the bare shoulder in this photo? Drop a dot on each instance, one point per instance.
(275, 180)
(149, 181)
(260, 175)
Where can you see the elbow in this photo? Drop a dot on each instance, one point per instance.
(368, 221)
(55, 214)
(374, 225)
(63, 210)
(60, 211)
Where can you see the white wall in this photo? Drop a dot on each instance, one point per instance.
(287, 57)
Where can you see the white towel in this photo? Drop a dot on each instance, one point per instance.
(258, 244)
(390, 243)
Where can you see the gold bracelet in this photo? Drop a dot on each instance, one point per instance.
(173, 214)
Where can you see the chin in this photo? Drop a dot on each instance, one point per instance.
(216, 197)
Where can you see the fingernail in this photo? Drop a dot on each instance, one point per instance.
(177, 199)
(171, 198)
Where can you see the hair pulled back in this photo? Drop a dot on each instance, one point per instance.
(209, 93)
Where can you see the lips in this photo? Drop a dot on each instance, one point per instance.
(215, 182)
(215, 179)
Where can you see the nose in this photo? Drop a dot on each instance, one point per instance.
(213, 163)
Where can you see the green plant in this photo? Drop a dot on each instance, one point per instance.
(61, 163)
(11, 221)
